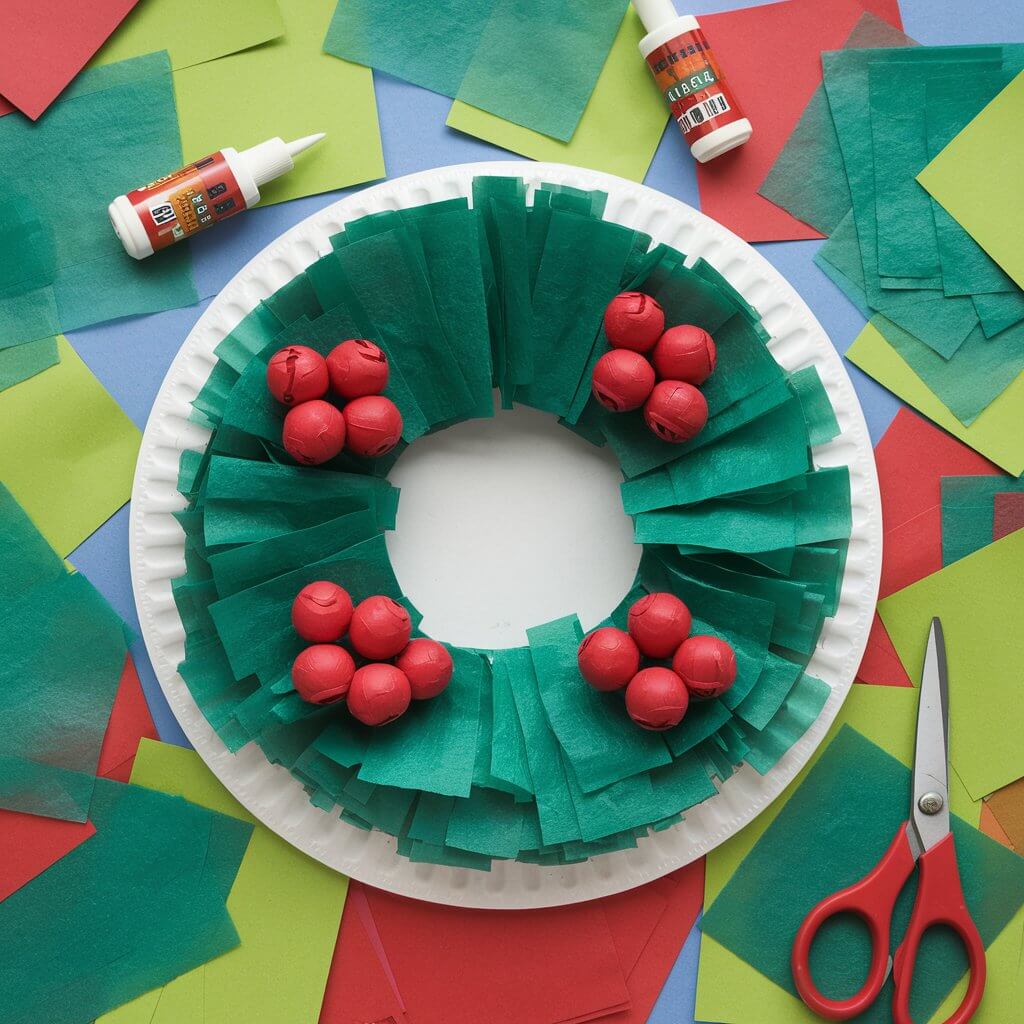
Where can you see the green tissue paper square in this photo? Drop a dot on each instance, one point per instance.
(968, 511)
(139, 903)
(20, 362)
(62, 266)
(832, 831)
(64, 653)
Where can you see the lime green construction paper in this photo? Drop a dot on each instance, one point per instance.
(981, 371)
(138, 904)
(67, 451)
(968, 511)
(621, 124)
(282, 902)
(907, 243)
(433, 745)
(239, 24)
(976, 177)
(592, 728)
(73, 270)
(855, 789)
(259, 87)
(808, 178)
(994, 433)
(20, 362)
(549, 61)
(983, 641)
(950, 105)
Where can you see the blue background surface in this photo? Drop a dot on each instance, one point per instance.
(131, 356)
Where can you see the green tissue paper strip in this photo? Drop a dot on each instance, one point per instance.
(20, 362)
(139, 903)
(855, 790)
(61, 265)
(968, 512)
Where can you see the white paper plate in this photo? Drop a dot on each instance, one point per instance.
(270, 792)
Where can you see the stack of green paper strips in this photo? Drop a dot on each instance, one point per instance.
(947, 321)
(518, 758)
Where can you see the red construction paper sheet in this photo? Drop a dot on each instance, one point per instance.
(45, 43)
(399, 961)
(29, 844)
(771, 56)
(912, 458)
(1008, 514)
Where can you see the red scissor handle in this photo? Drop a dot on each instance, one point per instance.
(940, 901)
(872, 899)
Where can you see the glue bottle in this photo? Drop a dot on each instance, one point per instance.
(685, 68)
(200, 195)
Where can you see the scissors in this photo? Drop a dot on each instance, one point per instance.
(924, 840)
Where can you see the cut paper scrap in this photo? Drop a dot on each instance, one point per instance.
(20, 362)
(549, 54)
(808, 178)
(286, 907)
(989, 824)
(64, 653)
(239, 24)
(549, 60)
(976, 179)
(30, 844)
(130, 722)
(855, 791)
(620, 128)
(142, 901)
(772, 94)
(567, 954)
(45, 43)
(996, 431)
(729, 990)
(975, 599)
(968, 513)
(1007, 805)
(67, 451)
(912, 457)
(1007, 514)
(61, 265)
(259, 86)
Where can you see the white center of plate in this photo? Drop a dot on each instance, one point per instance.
(507, 523)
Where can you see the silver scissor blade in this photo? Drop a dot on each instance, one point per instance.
(931, 784)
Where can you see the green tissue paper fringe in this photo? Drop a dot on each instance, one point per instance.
(518, 758)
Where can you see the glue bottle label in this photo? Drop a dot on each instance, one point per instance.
(187, 201)
(688, 74)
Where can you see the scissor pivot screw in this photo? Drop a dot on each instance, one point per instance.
(930, 803)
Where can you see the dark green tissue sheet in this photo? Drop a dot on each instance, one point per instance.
(968, 511)
(830, 834)
(136, 905)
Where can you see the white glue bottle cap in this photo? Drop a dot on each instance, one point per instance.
(271, 159)
(661, 22)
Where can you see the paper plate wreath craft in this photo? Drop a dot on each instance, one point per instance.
(298, 637)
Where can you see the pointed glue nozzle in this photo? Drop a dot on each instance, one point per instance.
(301, 145)
(271, 159)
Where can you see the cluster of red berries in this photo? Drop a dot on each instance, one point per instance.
(683, 357)
(315, 431)
(657, 698)
(397, 669)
